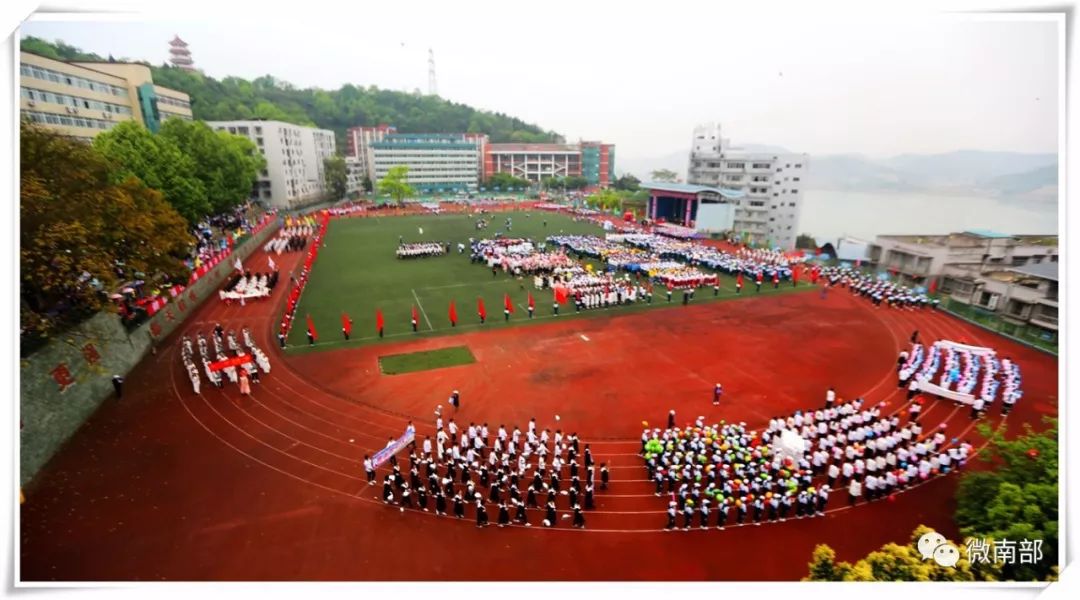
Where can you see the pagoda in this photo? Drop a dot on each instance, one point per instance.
(180, 55)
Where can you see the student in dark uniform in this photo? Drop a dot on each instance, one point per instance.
(603, 476)
(703, 512)
(670, 517)
(573, 497)
(459, 506)
(504, 515)
(421, 498)
(495, 496)
(406, 498)
(671, 419)
(440, 504)
(688, 516)
(588, 454)
(530, 498)
(579, 517)
(520, 516)
(589, 504)
(481, 514)
(281, 339)
(387, 490)
(550, 515)
(722, 510)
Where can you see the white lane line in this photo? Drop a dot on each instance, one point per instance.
(584, 337)
(422, 311)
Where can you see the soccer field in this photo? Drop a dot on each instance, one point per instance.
(357, 272)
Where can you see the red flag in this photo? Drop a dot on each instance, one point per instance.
(414, 319)
(480, 308)
(532, 303)
(508, 304)
(346, 323)
(933, 286)
(776, 276)
(561, 294)
(760, 276)
(378, 320)
(311, 327)
(795, 274)
(670, 285)
(738, 280)
(453, 313)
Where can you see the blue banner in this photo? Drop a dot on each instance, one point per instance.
(384, 455)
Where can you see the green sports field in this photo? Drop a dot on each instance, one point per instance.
(357, 272)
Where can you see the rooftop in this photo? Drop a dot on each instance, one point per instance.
(690, 188)
(986, 233)
(533, 148)
(1043, 270)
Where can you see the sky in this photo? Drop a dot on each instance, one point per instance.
(876, 85)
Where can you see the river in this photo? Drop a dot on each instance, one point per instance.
(829, 214)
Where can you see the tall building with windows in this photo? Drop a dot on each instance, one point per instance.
(534, 162)
(768, 185)
(437, 162)
(358, 144)
(294, 173)
(82, 99)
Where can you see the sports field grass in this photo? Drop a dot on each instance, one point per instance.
(357, 272)
(453, 356)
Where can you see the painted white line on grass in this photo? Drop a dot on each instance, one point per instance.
(422, 311)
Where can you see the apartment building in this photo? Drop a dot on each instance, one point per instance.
(82, 99)
(295, 174)
(437, 162)
(766, 187)
(534, 162)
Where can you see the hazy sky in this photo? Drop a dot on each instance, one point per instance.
(643, 78)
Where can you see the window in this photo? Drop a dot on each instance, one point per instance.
(798, 166)
(794, 178)
(794, 191)
(789, 227)
(791, 204)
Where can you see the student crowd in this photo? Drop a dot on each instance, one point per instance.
(249, 370)
(422, 249)
(527, 472)
(724, 474)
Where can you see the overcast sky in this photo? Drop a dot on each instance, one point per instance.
(642, 79)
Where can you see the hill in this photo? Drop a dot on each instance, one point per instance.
(337, 110)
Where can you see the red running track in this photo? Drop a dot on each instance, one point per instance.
(165, 484)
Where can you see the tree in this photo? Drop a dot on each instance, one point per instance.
(895, 562)
(665, 175)
(627, 182)
(805, 241)
(551, 183)
(337, 176)
(575, 182)
(81, 230)
(606, 200)
(366, 184)
(226, 164)
(396, 184)
(157, 162)
(506, 181)
(1018, 500)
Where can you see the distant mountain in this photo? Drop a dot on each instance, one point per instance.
(1033, 181)
(963, 171)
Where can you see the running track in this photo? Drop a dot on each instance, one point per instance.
(165, 484)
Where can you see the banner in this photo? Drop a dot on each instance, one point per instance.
(235, 361)
(384, 455)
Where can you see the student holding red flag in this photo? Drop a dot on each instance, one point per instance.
(670, 288)
(379, 321)
(481, 310)
(508, 306)
(532, 305)
(453, 314)
(760, 278)
(311, 335)
(795, 276)
(346, 325)
(738, 283)
(414, 318)
(776, 280)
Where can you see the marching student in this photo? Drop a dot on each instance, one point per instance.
(579, 517)
(717, 392)
(670, 517)
(369, 470)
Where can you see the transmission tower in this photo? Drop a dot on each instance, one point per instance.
(432, 90)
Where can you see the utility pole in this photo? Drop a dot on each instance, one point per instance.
(432, 89)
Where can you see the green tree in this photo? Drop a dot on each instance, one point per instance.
(551, 183)
(226, 164)
(158, 163)
(337, 176)
(895, 562)
(627, 182)
(396, 184)
(506, 181)
(606, 200)
(78, 224)
(575, 182)
(805, 241)
(366, 184)
(665, 175)
(1018, 500)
